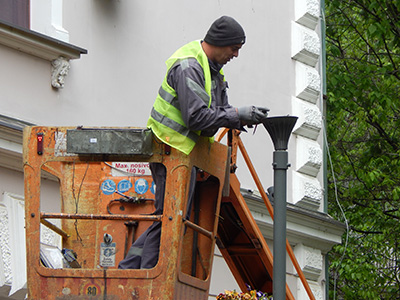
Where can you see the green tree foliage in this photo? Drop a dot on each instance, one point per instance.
(363, 120)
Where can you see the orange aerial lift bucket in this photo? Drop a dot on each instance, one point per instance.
(106, 200)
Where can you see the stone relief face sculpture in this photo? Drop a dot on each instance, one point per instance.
(60, 69)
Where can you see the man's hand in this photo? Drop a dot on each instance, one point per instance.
(252, 115)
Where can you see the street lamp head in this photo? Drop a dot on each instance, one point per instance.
(280, 128)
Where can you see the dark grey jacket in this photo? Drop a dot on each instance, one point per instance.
(187, 79)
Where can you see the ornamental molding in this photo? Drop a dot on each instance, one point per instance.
(37, 44)
(307, 12)
(309, 156)
(310, 261)
(305, 45)
(59, 70)
(5, 252)
(310, 227)
(307, 191)
(309, 121)
(308, 83)
(13, 250)
(315, 287)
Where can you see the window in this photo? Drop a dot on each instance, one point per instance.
(12, 244)
(15, 12)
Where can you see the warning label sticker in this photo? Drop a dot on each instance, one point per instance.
(107, 255)
(130, 169)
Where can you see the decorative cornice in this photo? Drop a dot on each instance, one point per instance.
(308, 83)
(309, 156)
(11, 142)
(312, 228)
(307, 191)
(316, 289)
(309, 123)
(37, 44)
(307, 12)
(310, 261)
(60, 69)
(305, 45)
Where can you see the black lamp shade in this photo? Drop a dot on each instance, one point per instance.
(280, 128)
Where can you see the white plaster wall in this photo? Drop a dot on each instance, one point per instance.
(27, 95)
(11, 182)
(221, 277)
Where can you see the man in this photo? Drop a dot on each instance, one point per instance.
(192, 102)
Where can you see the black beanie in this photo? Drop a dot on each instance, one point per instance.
(225, 31)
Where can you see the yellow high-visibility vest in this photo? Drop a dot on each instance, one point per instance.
(166, 119)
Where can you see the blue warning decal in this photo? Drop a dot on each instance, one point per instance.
(141, 186)
(124, 186)
(153, 188)
(108, 187)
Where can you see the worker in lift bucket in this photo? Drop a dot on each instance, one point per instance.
(193, 93)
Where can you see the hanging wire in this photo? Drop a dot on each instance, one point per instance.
(76, 199)
(344, 216)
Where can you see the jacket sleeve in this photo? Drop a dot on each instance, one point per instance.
(188, 81)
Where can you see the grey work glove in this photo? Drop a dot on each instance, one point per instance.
(252, 115)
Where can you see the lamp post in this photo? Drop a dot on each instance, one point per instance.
(280, 128)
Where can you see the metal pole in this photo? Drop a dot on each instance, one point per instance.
(280, 164)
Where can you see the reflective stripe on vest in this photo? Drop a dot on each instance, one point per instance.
(172, 124)
(166, 119)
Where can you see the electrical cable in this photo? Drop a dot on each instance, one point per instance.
(76, 200)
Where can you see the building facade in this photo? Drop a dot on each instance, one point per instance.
(101, 62)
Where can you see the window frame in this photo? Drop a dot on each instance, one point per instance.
(16, 12)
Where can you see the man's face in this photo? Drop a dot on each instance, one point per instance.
(222, 55)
